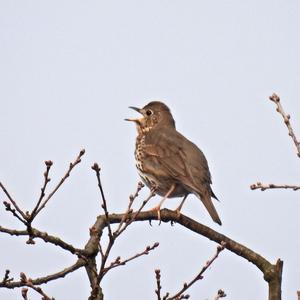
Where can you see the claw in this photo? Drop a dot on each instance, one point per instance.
(178, 213)
(157, 209)
(158, 216)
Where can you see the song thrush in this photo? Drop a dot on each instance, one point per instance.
(168, 161)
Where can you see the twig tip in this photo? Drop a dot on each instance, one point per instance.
(48, 163)
(96, 167)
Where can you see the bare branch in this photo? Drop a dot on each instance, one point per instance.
(268, 186)
(272, 272)
(129, 210)
(38, 281)
(14, 212)
(158, 284)
(118, 262)
(67, 174)
(48, 164)
(199, 276)
(132, 216)
(35, 233)
(286, 118)
(13, 202)
(129, 218)
(28, 282)
(97, 169)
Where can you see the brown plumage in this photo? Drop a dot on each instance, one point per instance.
(168, 161)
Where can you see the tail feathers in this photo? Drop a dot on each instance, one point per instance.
(213, 195)
(206, 200)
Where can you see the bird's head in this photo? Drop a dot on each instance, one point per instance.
(154, 114)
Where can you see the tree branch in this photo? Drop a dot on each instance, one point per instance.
(13, 202)
(47, 238)
(38, 281)
(286, 118)
(269, 186)
(158, 284)
(272, 273)
(118, 262)
(28, 282)
(67, 174)
(127, 219)
(48, 164)
(97, 169)
(199, 276)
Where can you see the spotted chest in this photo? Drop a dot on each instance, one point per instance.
(140, 161)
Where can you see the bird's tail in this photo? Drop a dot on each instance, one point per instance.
(206, 199)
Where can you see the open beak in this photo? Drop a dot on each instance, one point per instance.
(137, 120)
(136, 109)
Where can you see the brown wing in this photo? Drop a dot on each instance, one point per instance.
(183, 160)
(179, 158)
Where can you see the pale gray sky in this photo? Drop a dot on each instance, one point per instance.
(70, 69)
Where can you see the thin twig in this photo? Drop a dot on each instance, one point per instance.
(135, 215)
(158, 284)
(104, 255)
(14, 212)
(101, 251)
(42, 280)
(268, 186)
(286, 118)
(48, 164)
(71, 166)
(118, 262)
(28, 282)
(129, 210)
(128, 221)
(13, 202)
(199, 276)
(97, 169)
(47, 238)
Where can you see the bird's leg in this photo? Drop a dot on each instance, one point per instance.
(157, 208)
(178, 209)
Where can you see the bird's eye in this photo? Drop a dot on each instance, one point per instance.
(149, 112)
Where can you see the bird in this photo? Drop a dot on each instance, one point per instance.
(168, 162)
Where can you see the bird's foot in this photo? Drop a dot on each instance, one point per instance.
(157, 210)
(177, 211)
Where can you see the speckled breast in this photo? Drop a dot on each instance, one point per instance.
(162, 184)
(139, 158)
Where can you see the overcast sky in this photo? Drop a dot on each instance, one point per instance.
(68, 72)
